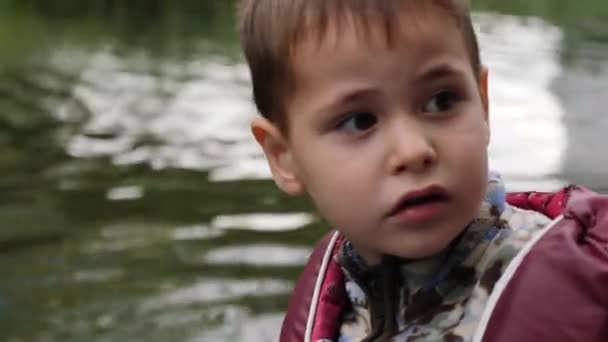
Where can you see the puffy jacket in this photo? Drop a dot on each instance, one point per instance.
(556, 289)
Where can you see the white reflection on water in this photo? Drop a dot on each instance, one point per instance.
(264, 222)
(114, 246)
(188, 108)
(122, 237)
(239, 326)
(213, 290)
(258, 255)
(125, 193)
(528, 136)
(200, 111)
(251, 222)
(196, 232)
(98, 275)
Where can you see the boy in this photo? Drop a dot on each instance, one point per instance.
(378, 110)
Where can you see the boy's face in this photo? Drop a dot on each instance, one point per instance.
(371, 124)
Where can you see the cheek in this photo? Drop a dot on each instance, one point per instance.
(331, 160)
(329, 174)
(472, 157)
(338, 179)
(471, 133)
(466, 152)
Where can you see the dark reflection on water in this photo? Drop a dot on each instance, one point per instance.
(581, 89)
(134, 204)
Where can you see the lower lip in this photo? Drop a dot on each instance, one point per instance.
(419, 213)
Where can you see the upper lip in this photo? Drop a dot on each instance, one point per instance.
(433, 191)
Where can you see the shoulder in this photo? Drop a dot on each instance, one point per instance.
(555, 289)
(315, 295)
(524, 219)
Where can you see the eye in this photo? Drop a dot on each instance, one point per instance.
(442, 101)
(357, 122)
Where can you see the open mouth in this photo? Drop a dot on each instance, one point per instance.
(420, 199)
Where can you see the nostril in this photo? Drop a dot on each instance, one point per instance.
(400, 168)
(411, 158)
(414, 166)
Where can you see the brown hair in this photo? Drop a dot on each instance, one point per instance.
(271, 29)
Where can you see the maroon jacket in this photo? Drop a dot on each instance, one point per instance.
(555, 291)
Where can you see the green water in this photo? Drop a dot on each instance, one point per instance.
(128, 179)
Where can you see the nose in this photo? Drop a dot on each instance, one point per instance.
(410, 148)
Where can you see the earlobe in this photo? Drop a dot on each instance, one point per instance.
(279, 156)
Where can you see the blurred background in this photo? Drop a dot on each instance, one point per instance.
(135, 206)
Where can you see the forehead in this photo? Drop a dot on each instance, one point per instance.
(421, 32)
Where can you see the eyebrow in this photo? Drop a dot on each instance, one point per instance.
(433, 73)
(437, 72)
(351, 96)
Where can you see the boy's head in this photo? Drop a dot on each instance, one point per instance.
(271, 31)
(378, 110)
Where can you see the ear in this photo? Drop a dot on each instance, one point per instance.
(279, 156)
